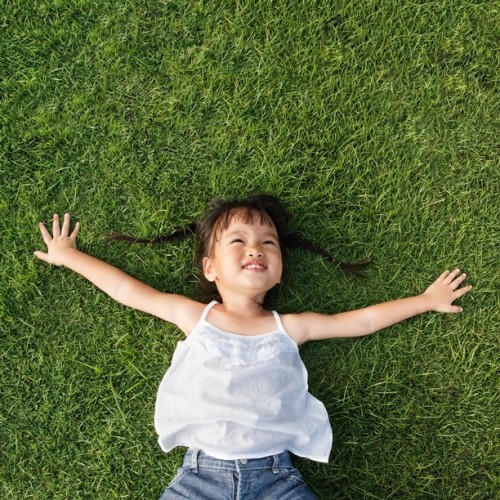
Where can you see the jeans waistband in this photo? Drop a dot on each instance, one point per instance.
(195, 458)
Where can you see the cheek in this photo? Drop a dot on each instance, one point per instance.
(279, 266)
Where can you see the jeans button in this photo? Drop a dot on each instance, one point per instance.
(244, 461)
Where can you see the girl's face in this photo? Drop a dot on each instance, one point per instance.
(246, 257)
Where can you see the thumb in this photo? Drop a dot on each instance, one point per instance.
(42, 256)
(454, 309)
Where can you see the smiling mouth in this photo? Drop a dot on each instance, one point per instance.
(255, 267)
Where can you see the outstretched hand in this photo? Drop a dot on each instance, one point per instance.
(60, 242)
(445, 290)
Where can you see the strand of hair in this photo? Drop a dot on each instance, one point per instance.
(176, 235)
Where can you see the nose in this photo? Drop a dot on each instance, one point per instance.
(254, 252)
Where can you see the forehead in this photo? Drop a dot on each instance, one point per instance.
(241, 226)
(240, 218)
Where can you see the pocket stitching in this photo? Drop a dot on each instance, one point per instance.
(181, 473)
(293, 475)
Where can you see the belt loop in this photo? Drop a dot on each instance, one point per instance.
(276, 462)
(194, 460)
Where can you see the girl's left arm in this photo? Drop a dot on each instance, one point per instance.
(438, 297)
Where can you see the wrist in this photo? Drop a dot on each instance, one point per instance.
(66, 257)
(427, 302)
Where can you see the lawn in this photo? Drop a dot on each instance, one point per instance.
(373, 120)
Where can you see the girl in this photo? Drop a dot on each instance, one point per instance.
(236, 392)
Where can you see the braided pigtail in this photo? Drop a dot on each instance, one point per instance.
(296, 240)
(165, 238)
(267, 208)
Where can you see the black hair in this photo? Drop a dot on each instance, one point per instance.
(218, 216)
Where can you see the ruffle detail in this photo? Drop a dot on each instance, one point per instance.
(234, 350)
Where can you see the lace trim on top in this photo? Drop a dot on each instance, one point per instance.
(233, 349)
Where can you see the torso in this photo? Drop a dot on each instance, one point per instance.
(218, 379)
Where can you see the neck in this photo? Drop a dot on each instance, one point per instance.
(242, 305)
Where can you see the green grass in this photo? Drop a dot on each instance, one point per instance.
(374, 121)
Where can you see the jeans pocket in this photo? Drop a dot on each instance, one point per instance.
(181, 472)
(169, 493)
(293, 475)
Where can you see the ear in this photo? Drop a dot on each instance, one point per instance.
(208, 269)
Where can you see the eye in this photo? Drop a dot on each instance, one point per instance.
(269, 242)
(237, 240)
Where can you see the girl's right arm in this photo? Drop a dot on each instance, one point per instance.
(62, 251)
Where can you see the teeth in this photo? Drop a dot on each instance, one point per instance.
(254, 266)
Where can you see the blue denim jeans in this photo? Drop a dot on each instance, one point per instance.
(203, 477)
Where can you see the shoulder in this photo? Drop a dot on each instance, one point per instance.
(296, 325)
(181, 311)
(189, 313)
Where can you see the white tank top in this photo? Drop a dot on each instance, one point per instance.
(236, 396)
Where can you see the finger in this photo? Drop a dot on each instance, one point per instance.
(75, 232)
(56, 230)
(443, 276)
(45, 234)
(451, 276)
(456, 282)
(41, 255)
(65, 226)
(462, 291)
(455, 309)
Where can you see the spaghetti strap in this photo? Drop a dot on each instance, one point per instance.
(207, 310)
(278, 321)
